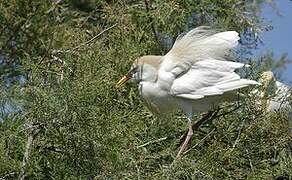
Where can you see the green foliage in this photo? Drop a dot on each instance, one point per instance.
(89, 130)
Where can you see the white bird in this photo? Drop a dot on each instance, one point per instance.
(193, 76)
(275, 95)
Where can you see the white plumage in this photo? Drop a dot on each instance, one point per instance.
(209, 78)
(193, 76)
(274, 93)
(199, 44)
(275, 96)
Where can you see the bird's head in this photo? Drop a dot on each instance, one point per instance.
(268, 81)
(267, 76)
(143, 69)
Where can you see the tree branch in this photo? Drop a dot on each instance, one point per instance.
(86, 42)
(238, 134)
(200, 141)
(33, 131)
(151, 22)
(151, 142)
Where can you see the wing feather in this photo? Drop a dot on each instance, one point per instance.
(198, 44)
(209, 78)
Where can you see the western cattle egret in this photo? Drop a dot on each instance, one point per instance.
(275, 95)
(193, 76)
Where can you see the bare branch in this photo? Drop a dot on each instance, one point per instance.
(250, 163)
(200, 141)
(11, 174)
(33, 131)
(151, 142)
(151, 22)
(86, 42)
(95, 37)
(238, 135)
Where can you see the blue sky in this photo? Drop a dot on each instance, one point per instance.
(279, 39)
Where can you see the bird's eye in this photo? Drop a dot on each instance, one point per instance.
(133, 70)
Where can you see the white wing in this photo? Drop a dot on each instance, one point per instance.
(198, 44)
(207, 78)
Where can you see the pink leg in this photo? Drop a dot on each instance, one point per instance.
(188, 138)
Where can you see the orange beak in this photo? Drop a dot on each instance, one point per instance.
(122, 81)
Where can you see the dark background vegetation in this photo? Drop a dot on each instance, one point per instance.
(62, 118)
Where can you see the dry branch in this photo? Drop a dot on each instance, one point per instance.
(151, 142)
(86, 42)
(200, 141)
(33, 131)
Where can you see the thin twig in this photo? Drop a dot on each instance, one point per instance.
(151, 21)
(207, 118)
(250, 163)
(151, 142)
(92, 39)
(200, 141)
(228, 112)
(26, 156)
(8, 175)
(86, 42)
(238, 135)
(31, 136)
